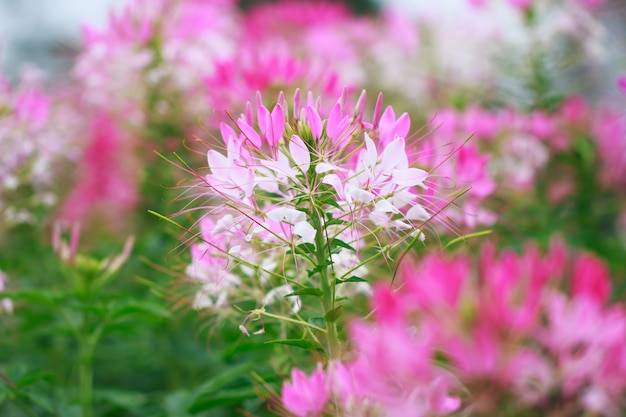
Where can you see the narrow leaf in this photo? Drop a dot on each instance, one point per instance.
(334, 243)
(333, 314)
(306, 291)
(351, 279)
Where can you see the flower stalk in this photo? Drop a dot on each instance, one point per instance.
(327, 282)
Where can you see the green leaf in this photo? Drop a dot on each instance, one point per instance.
(332, 222)
(43, 400)
(337, 243)
(351, 279)
(316, 292)
(301, 343)
(333, 314)
(317, 321)
(318, 268)
(304, 248)
(332, 201)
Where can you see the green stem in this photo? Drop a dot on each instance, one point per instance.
(327, 283)
(87, 344)
(261, 312)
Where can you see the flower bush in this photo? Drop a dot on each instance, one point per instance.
(215, 212)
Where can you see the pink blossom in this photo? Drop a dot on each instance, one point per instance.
(299, 152)
(591, 279)
(509, 325)
(306, 396)
(104, 183)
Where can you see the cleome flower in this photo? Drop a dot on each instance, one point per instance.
(296, 185)
(507, 330)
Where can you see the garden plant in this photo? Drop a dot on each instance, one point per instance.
(298, 208)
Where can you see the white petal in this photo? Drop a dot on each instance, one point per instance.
(300, 153)
(409, 177)
(402, 198)
(305, 231)
(323, 167)
(287, 215)
(335, 181)
(393, 154)
(385, 206)
(219, 164)
(354, 193)
(417, 212)
(371, 155)
(379, 218)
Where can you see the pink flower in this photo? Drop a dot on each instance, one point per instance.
(591, 279)
(105, 183)
(306, 396)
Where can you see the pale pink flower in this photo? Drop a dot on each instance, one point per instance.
(277, 159)
(37, 141)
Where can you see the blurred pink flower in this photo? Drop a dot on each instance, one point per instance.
(508, 325)
(104, 182)
(306, 396)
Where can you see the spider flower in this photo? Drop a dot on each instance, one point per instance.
(293, 181)
(392, 372)
(511, 333)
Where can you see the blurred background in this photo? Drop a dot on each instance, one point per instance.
(47, 33)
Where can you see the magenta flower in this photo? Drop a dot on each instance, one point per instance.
(105, 184)
(508, 326)
(392, 373)
(306, 396)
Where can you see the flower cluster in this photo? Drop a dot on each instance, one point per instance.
(464, 49)
(515, 145)
(143, 66)
(504, 330)
(393, 374)
(316, 185)
(509, 331)
(504, 153)
(32, 148)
